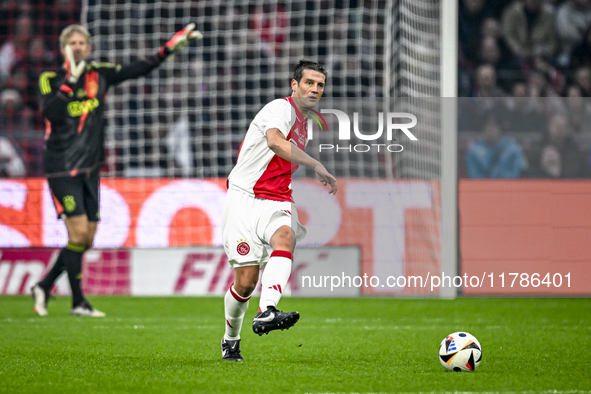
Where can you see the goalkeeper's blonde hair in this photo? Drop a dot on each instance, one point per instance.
(68, 31)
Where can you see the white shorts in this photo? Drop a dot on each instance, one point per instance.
(248, 224)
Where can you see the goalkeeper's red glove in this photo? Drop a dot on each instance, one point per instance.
(73, 70)
(180, 39)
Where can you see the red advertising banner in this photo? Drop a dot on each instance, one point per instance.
(516, 237)
(396, 224)
(195, 271)
(526, 236)
(105, 272)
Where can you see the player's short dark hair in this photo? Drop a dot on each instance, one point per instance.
(305, 64)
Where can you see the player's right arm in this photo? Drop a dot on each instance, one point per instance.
(286, 150)
(54, 96)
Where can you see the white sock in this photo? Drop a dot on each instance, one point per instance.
(275, 278)
(235, 307)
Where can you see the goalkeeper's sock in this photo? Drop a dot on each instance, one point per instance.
(54, 272)
(72, 255)
(235, 307)
(275, 277)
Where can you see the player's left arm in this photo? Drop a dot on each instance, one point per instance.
(286, 150)
(147, 64)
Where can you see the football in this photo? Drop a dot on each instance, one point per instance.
(460, 351)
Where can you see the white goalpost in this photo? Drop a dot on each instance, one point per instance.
(449, 142)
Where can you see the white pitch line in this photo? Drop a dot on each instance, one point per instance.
(460, 392)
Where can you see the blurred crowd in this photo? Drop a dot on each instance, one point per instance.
(524, 81)
(188, 117)
(525, 75)
(29, 32)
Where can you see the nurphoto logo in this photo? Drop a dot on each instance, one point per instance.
(393, 120)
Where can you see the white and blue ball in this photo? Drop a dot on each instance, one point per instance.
(460, 351)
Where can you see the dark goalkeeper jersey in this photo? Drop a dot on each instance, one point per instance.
(74, 118)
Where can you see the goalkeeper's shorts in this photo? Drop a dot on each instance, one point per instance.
(248, 224)
(76, 195)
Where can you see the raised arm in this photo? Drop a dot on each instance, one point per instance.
(145, 65)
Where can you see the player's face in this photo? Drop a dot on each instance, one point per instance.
(80, 47)
(308, 91)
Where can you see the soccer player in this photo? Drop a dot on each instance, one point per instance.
(259, 209)
(72, 103)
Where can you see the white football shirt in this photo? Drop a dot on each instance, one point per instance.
(259, 171)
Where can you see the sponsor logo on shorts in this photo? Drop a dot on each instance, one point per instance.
(243, 248)
(69, 203)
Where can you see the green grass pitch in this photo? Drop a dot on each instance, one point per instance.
(377, 345)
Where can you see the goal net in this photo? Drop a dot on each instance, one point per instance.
(188, 118)
(172, 137)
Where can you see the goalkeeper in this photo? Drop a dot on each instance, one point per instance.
(73, 104)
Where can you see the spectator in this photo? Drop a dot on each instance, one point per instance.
(553, 76)
(15, 49)
(489, 52)
(543, 95)
(493, 155)
(558, 155)
(488, 98)
(529, 29)
(572, 19)
(486, 82)
(38, 57)
(548, 165)
(11, 163)
(524, 114)
(578, 109)
(583, 79)
(491, 27)
(472, 13)
(272, 25)
(493, 54)
(538, 86)
(12, 116)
